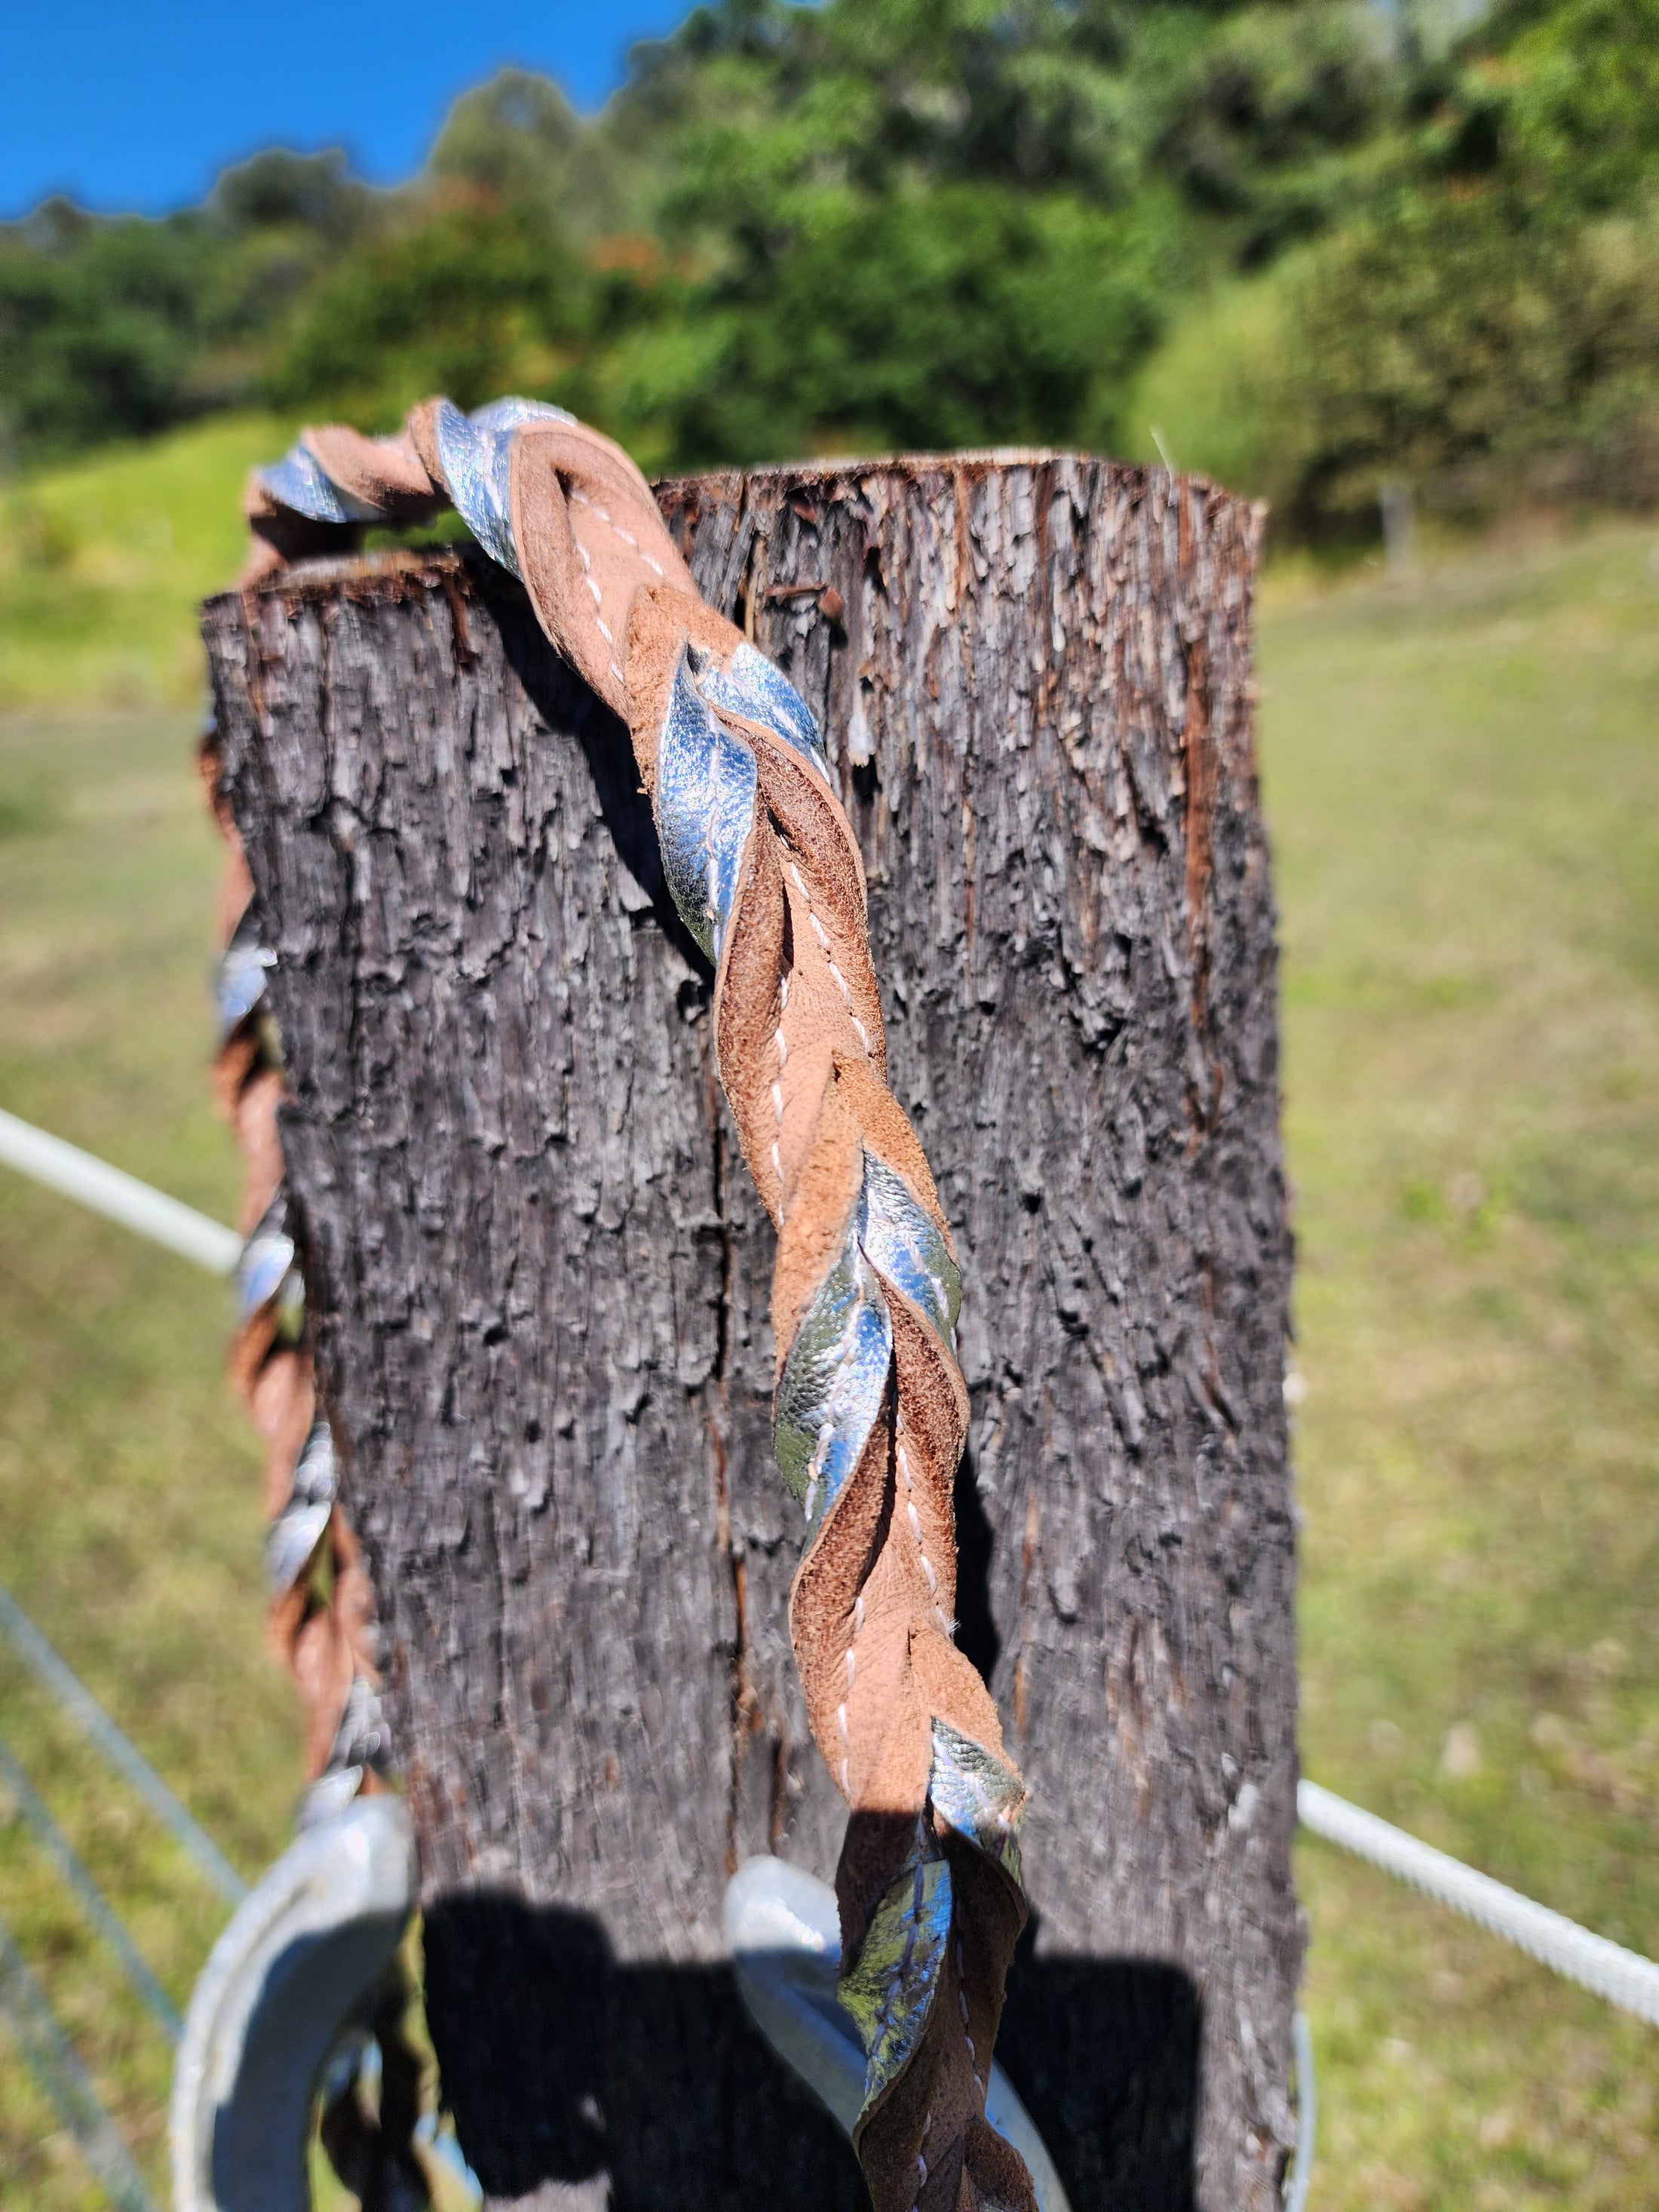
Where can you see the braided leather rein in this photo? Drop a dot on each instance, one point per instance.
(871, 1412)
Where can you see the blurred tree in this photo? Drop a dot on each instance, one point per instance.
(945, 222)
(925, 222)
(517, 133)
(277, 190)
(958, 315)
(1445, 347)
(1559, 105)
(100, 325)
(473, 299)
(117, 329)
(887, 222)
(1267, 115)
(1490, 325)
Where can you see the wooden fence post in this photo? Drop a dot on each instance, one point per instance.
(540, 1282)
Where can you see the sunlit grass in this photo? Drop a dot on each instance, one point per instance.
(1462, 776)
(102, 563)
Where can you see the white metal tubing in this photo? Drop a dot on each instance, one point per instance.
(121, 1197)
(290, 1971)
(1623, 1978)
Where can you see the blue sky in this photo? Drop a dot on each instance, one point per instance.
(137, 104)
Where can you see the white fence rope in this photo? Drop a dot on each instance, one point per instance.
(1623, 1978)
(107, 1190)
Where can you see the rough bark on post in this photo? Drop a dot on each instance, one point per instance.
(541, 1279)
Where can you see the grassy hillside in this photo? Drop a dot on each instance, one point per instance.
(102, 563)
(1463, 783)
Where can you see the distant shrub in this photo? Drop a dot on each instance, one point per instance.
(1445, 347)
(475, 300)
(1476, 360)
(954, 316)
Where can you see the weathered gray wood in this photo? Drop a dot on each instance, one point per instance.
(541, 1276)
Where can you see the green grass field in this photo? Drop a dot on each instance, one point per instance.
(101, 563)
(1462, 776)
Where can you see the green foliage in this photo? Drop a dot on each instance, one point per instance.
(899, 225)
(112, 330)
(99, 326)
(1561, 110)
(1325, 248)
(518, 142)
(872, 222)
(948, 317)
(475, 300)
(1448, 348)
(296, 195)
(517, 136)
(1441, 348)
(1270, 119)
(1484, 327)
(940, 221)
(1201, 400)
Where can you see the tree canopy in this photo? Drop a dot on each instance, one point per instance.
(880, 223)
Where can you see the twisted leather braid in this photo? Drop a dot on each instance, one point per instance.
(871, 1411)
